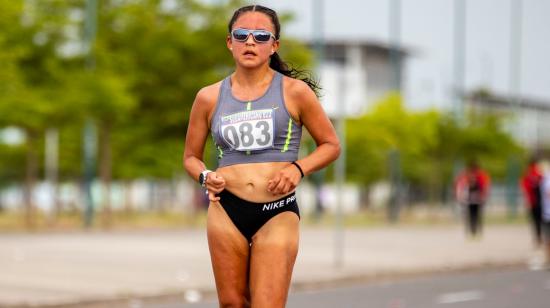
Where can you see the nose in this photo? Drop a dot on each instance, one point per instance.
(250, 39)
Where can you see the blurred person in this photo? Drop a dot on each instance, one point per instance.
(545, 221)
(472, 190)
(531, 182)
(256, 116)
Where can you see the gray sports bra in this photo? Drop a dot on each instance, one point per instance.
(256, 131)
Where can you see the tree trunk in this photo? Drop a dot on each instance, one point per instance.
(105, 171)
(30, 179)
(51, 167)
(128, 208)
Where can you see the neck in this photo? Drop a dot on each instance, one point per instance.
(252, 77)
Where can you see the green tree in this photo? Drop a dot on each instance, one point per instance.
(30, 34)
(429, 143)
(149, 62)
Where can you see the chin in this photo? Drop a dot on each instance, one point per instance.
(251, 64)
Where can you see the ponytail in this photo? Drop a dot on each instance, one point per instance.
(280, 66)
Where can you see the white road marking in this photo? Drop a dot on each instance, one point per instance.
(136, 303)
(192, 296)
(459, 297)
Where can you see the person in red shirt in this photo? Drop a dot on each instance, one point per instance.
(472, 190)
(531, 186)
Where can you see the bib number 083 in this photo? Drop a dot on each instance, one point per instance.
(249, 130)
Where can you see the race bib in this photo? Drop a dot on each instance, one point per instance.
(248, 130)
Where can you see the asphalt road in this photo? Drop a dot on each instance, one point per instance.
(132, 268)
(502, 289)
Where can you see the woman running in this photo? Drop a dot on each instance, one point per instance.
(256, 116)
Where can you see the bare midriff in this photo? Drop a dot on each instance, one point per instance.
(249, 181)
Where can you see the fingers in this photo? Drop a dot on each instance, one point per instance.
(280, 185)
(284, 182)
(284, 187)
(212, 196)
(215, 184)
(271, 184)
(215, 188)
(214, 179)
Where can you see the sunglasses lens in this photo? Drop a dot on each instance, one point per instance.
(261, 36)
(240, 34)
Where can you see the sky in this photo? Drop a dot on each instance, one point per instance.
(427, 32)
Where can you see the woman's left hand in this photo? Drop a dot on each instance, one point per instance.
(284, 181)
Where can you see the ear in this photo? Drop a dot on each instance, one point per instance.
(275, 46)
(229, 43)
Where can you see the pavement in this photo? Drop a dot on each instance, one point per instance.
(124, 268)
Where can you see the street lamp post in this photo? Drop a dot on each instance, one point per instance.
(89, 132)
(459, 55)
(340, 171)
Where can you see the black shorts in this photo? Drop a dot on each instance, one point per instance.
(249, 217)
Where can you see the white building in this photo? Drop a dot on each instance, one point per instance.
(529, 119)
(355, 74)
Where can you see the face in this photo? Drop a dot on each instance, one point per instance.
(250, 53)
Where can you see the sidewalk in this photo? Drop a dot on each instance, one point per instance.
(55, 269)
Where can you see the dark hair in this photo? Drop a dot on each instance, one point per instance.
(276, 62)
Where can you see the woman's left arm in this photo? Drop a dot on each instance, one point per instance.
(313, 117)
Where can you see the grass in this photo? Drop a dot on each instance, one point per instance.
(15, 221)
(11, 221)
(417, 216)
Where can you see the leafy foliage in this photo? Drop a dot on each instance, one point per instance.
(430, 144)
(147, 63)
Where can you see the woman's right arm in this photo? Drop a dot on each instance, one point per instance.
(197, 132)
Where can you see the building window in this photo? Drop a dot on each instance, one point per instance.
(335, 54)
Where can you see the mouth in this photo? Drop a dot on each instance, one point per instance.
(249, 53)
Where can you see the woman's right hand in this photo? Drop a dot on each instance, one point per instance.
(214, 184)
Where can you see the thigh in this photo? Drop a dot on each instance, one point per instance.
(229, 253)
(273, 253)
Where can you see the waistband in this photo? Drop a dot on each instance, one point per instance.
(226, 195)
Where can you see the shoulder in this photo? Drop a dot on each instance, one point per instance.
(208, 94)
(299, 96)
(206, 99)
(298, 89)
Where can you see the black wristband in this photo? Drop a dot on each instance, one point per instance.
(299, 168)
